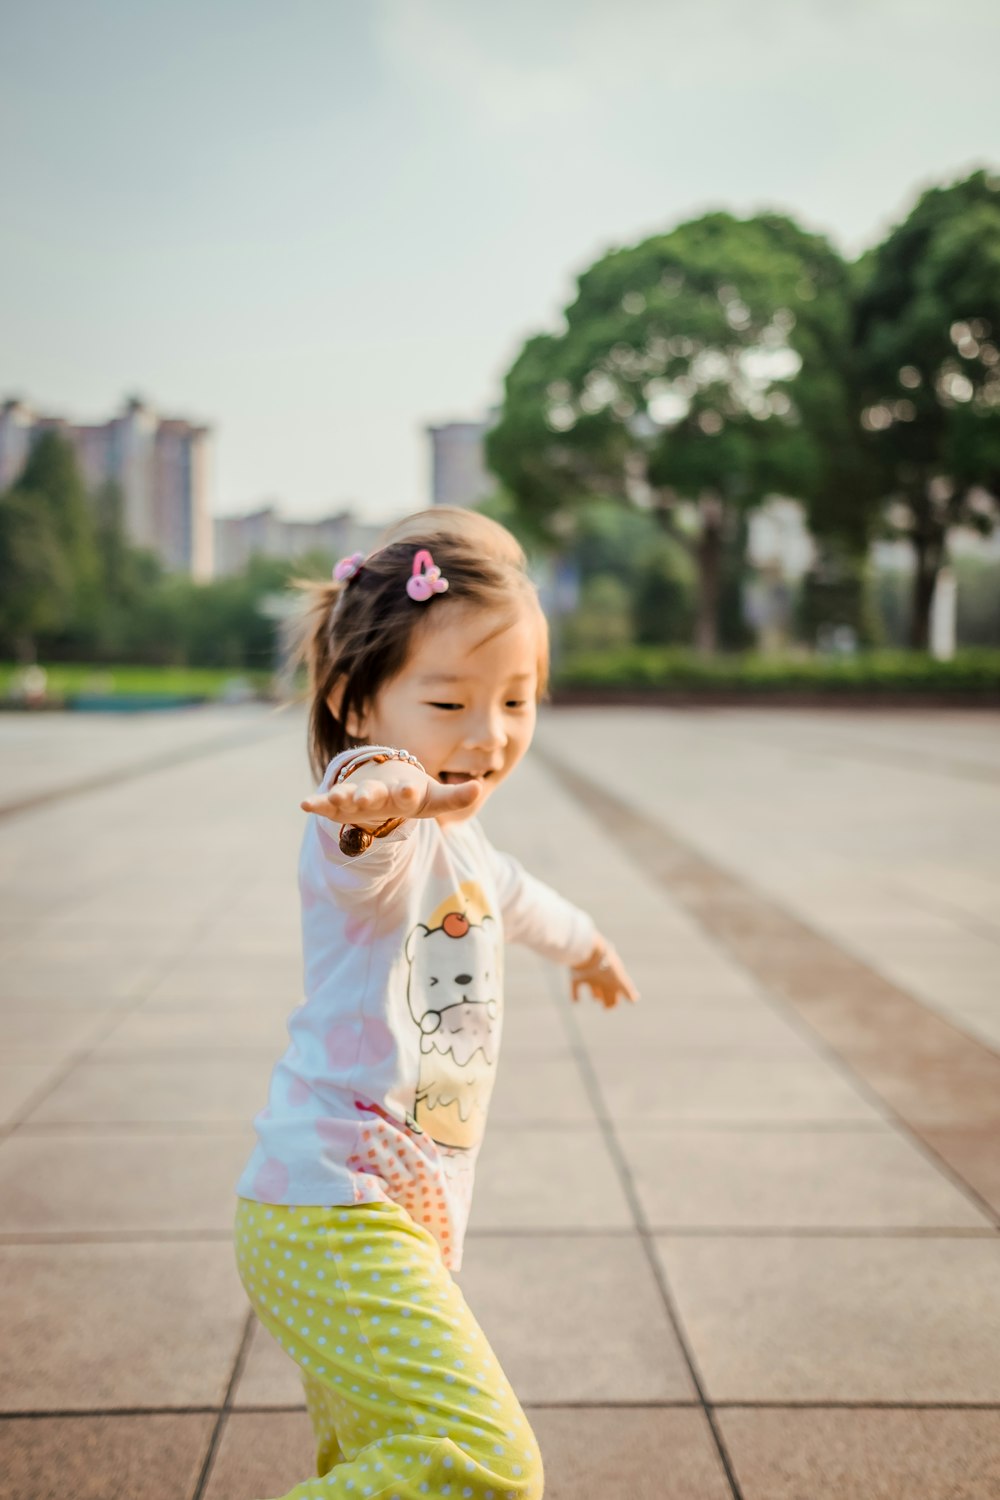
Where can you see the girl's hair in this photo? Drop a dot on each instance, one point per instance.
(358, 632)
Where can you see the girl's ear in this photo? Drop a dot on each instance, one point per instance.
(355, 725)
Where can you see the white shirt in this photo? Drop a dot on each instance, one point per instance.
(385, 1087)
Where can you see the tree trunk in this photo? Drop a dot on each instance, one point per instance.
(710, 508)
(928, 547)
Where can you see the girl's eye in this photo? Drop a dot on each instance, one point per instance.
(445, 705)
(515, 703)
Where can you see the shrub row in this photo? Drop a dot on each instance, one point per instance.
(664, 668)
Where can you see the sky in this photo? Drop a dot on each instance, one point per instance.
(318, 227)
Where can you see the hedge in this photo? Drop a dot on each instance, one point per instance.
(973, 671)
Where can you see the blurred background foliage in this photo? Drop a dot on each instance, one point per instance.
(73, 588)
(698, 375)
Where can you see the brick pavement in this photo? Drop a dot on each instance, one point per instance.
(757, 1251)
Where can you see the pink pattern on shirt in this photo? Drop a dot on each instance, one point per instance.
(344, 1047)
(271, 1181)
(298, 1091)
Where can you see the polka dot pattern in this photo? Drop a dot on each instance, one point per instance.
(433, 1185)
(404, 1392)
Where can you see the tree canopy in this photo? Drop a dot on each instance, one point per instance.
(707, 368)
(927, 334)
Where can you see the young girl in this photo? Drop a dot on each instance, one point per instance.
(427, 660)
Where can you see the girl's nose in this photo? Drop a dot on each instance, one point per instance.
(487, 733)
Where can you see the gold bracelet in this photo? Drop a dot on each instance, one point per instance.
(353, 838)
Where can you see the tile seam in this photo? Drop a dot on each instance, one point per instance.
(635, 838)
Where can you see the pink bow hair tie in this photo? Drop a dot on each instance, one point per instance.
(348, 566)
(426, 578)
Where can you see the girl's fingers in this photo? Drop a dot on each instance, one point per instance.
(342, 802)
(407, 796)
(445, 798)
(404, 798)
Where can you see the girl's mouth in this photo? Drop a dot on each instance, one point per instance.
(451, 777)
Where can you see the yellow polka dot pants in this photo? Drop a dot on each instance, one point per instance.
(406, 1397)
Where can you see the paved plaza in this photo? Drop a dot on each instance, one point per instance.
(737, 1240)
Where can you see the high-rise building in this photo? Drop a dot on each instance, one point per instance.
(161, 464)
(266, 533)
(459, 475)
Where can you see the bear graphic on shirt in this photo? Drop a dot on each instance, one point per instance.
(454, 995)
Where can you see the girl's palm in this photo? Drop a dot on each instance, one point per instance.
(368, 801)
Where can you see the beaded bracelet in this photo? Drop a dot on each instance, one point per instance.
(353, 838)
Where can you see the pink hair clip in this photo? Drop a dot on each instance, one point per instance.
(422, 584)
(348, 566)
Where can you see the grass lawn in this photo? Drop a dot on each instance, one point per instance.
(65, 680)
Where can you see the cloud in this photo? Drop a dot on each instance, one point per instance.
(448, 45)
(527, 63)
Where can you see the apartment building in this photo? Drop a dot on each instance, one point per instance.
(161, 463)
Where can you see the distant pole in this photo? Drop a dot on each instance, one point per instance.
(944, 609)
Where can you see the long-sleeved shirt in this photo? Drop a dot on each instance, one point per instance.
(384, 1089)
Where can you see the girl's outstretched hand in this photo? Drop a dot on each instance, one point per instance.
(605, 976)
(370, 799)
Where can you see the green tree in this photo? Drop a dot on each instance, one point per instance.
(602, 620)
(112, 544)
(698, 373)
(51, 481)
(927, 332)
(36, 582)
(129, 577)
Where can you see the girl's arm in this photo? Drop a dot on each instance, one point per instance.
(538, 916)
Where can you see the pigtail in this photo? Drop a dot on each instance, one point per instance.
(310, 641)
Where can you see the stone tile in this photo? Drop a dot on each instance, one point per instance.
(275, 1005)
(695, 981)
(51, 1032)
(156, 1457)
(961, 1087)
(790, 1179)
(261, 1453)
(650, 1454)
(561, 1178)
(700, 985)
(532, 1027)
(104, 1325)
(270, 1377)
(164, 924)
(74, 983)
(746, 1027)
(109, 1183)
(864, 1455)
(980, 1020)
(279, 943)
(700, 1085)
(861, 1320)
(974, 1154)
(159, 1030)
(226, 1090)
(541, 1086)
(232, 976)
(575, 1319)
(20, 1081)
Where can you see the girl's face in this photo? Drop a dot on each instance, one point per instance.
(464, 703)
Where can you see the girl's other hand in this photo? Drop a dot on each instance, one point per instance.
(369, 799)
(605, 976)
